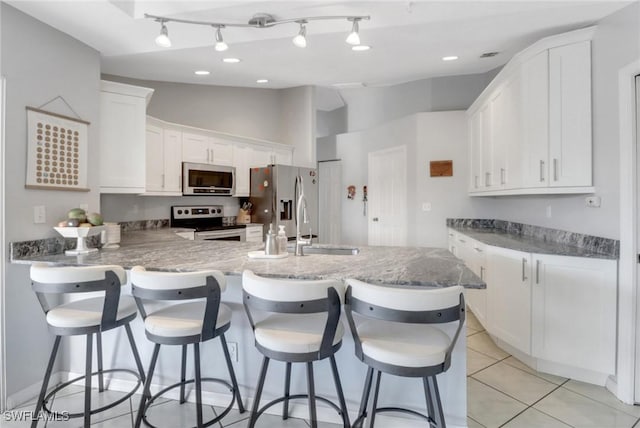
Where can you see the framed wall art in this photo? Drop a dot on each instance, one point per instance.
(56, 151)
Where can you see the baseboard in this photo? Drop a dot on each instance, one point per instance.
(30, 393)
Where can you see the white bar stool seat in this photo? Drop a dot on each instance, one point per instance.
(201, 318)
(87, 316)
(396, 335)
(299, 323)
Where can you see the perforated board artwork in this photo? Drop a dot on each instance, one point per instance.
(57, 151)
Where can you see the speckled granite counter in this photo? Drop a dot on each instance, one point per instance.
(535, 239)
(161, 249)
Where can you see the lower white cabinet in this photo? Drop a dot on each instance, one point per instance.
(509, 297)
(253, 233)
(574, 311)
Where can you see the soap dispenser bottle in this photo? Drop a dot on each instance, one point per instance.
(270, 245)
(281, 240)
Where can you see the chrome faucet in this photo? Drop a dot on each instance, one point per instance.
(302, 206)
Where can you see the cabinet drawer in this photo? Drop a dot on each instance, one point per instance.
(253, 234)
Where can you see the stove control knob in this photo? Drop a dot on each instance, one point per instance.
(218, 210)
(179, 211)
(186, 211)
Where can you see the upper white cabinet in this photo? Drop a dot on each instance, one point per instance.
(530, 130)
(122, 137)
(163, 166)
(200, 148)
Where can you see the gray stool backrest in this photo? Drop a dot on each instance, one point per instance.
(405, 305)
(48, 279)
(154, 285)
(291, 296)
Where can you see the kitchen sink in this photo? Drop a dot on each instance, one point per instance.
(328, 250)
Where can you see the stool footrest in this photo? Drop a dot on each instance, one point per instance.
(358, 422)
(100, 409)
(178, 384)
(294, 397)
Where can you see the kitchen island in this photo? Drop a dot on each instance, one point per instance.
(393, 266)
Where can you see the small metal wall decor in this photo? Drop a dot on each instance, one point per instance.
(351, 192)
(443, 168)
(364, 201)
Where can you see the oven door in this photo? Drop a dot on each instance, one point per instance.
(221, 235)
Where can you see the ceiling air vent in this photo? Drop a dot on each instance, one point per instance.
(489, 54)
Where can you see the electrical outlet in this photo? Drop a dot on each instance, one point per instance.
(548, 211)
(426, 206)
(84, 207)
(233, 350)
(593, 201)
(39, 214)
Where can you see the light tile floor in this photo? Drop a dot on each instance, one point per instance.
(501, 392)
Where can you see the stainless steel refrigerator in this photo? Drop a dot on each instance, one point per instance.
(274, 198)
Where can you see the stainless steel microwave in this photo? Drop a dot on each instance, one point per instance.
(208, 180)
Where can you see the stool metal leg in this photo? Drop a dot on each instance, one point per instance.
(434, 405)
(287, 387)
(146, 392)
(87, 382)
(312, 396)
(99, 348)
(343, 404)
(362, 411)
(373, 404)
(256, 400)
(45, 382)
(183, 373)
(134, 350)
(232, 373)
(198, 381)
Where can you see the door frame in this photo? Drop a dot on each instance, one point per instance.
(3, 258)
(628, 368)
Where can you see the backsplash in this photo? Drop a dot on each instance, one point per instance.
(595, 244)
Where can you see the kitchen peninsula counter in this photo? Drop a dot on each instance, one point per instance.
(162, 249)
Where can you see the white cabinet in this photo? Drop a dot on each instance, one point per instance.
(200, 148)
(574, 311)
(530, 130)
(163, 167)
(122, 137)
(260, 157)
(242, 162)
(283, 156)
(254, 233)
(570, 115)
(509, 297)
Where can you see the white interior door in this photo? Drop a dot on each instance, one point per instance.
(387, 188)
(3, 390)
(329, 202)
(637, 132)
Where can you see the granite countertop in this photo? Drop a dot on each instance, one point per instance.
(547, 241)
(162, 249)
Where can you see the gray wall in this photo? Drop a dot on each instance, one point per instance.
(39, 63)
(616, 43)
(331, 122)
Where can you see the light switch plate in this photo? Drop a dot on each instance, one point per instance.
(84, 207)
(39, 214)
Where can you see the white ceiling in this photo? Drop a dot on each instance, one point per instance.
(407, 38)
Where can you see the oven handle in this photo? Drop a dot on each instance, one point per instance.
(222, 234)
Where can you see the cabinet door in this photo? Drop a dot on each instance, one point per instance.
(122, 148)
(475, 151)
(534, 132)
(260, 156)
(509, 296)
(486, 142)
(283, 156)
(172, 161)
(222, 152)
(570, 115)
(574, 311)
(196, 148)
(154, 159)
(241, 161)
(498, 106)
(510, 172)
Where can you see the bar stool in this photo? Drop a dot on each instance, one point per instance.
(395, 338)
(194, 322)
(87, 316)
(300, 323)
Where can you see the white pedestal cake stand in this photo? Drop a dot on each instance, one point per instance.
(81, 233)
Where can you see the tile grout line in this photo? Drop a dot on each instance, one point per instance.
(484, 426)
(598, 401)
(534, 403)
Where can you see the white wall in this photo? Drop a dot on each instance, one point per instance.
(39, 64)
(616, 43)
(428, 136)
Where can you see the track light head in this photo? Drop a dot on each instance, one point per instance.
(221, 46)
(301, 39)
(163, 38)
(354, 38)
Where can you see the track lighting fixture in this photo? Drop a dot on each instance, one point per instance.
(261, 20)
(301, 39)
(163, 38)
(354, 37)
(221, 46)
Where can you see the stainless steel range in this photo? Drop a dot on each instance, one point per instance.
(206, 220)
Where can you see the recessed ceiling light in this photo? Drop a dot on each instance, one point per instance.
(449, 58)
(262, 81)
(360, 48)
(202, 72)
(231, 60)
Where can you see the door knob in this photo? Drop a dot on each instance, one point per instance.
(375, 219)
